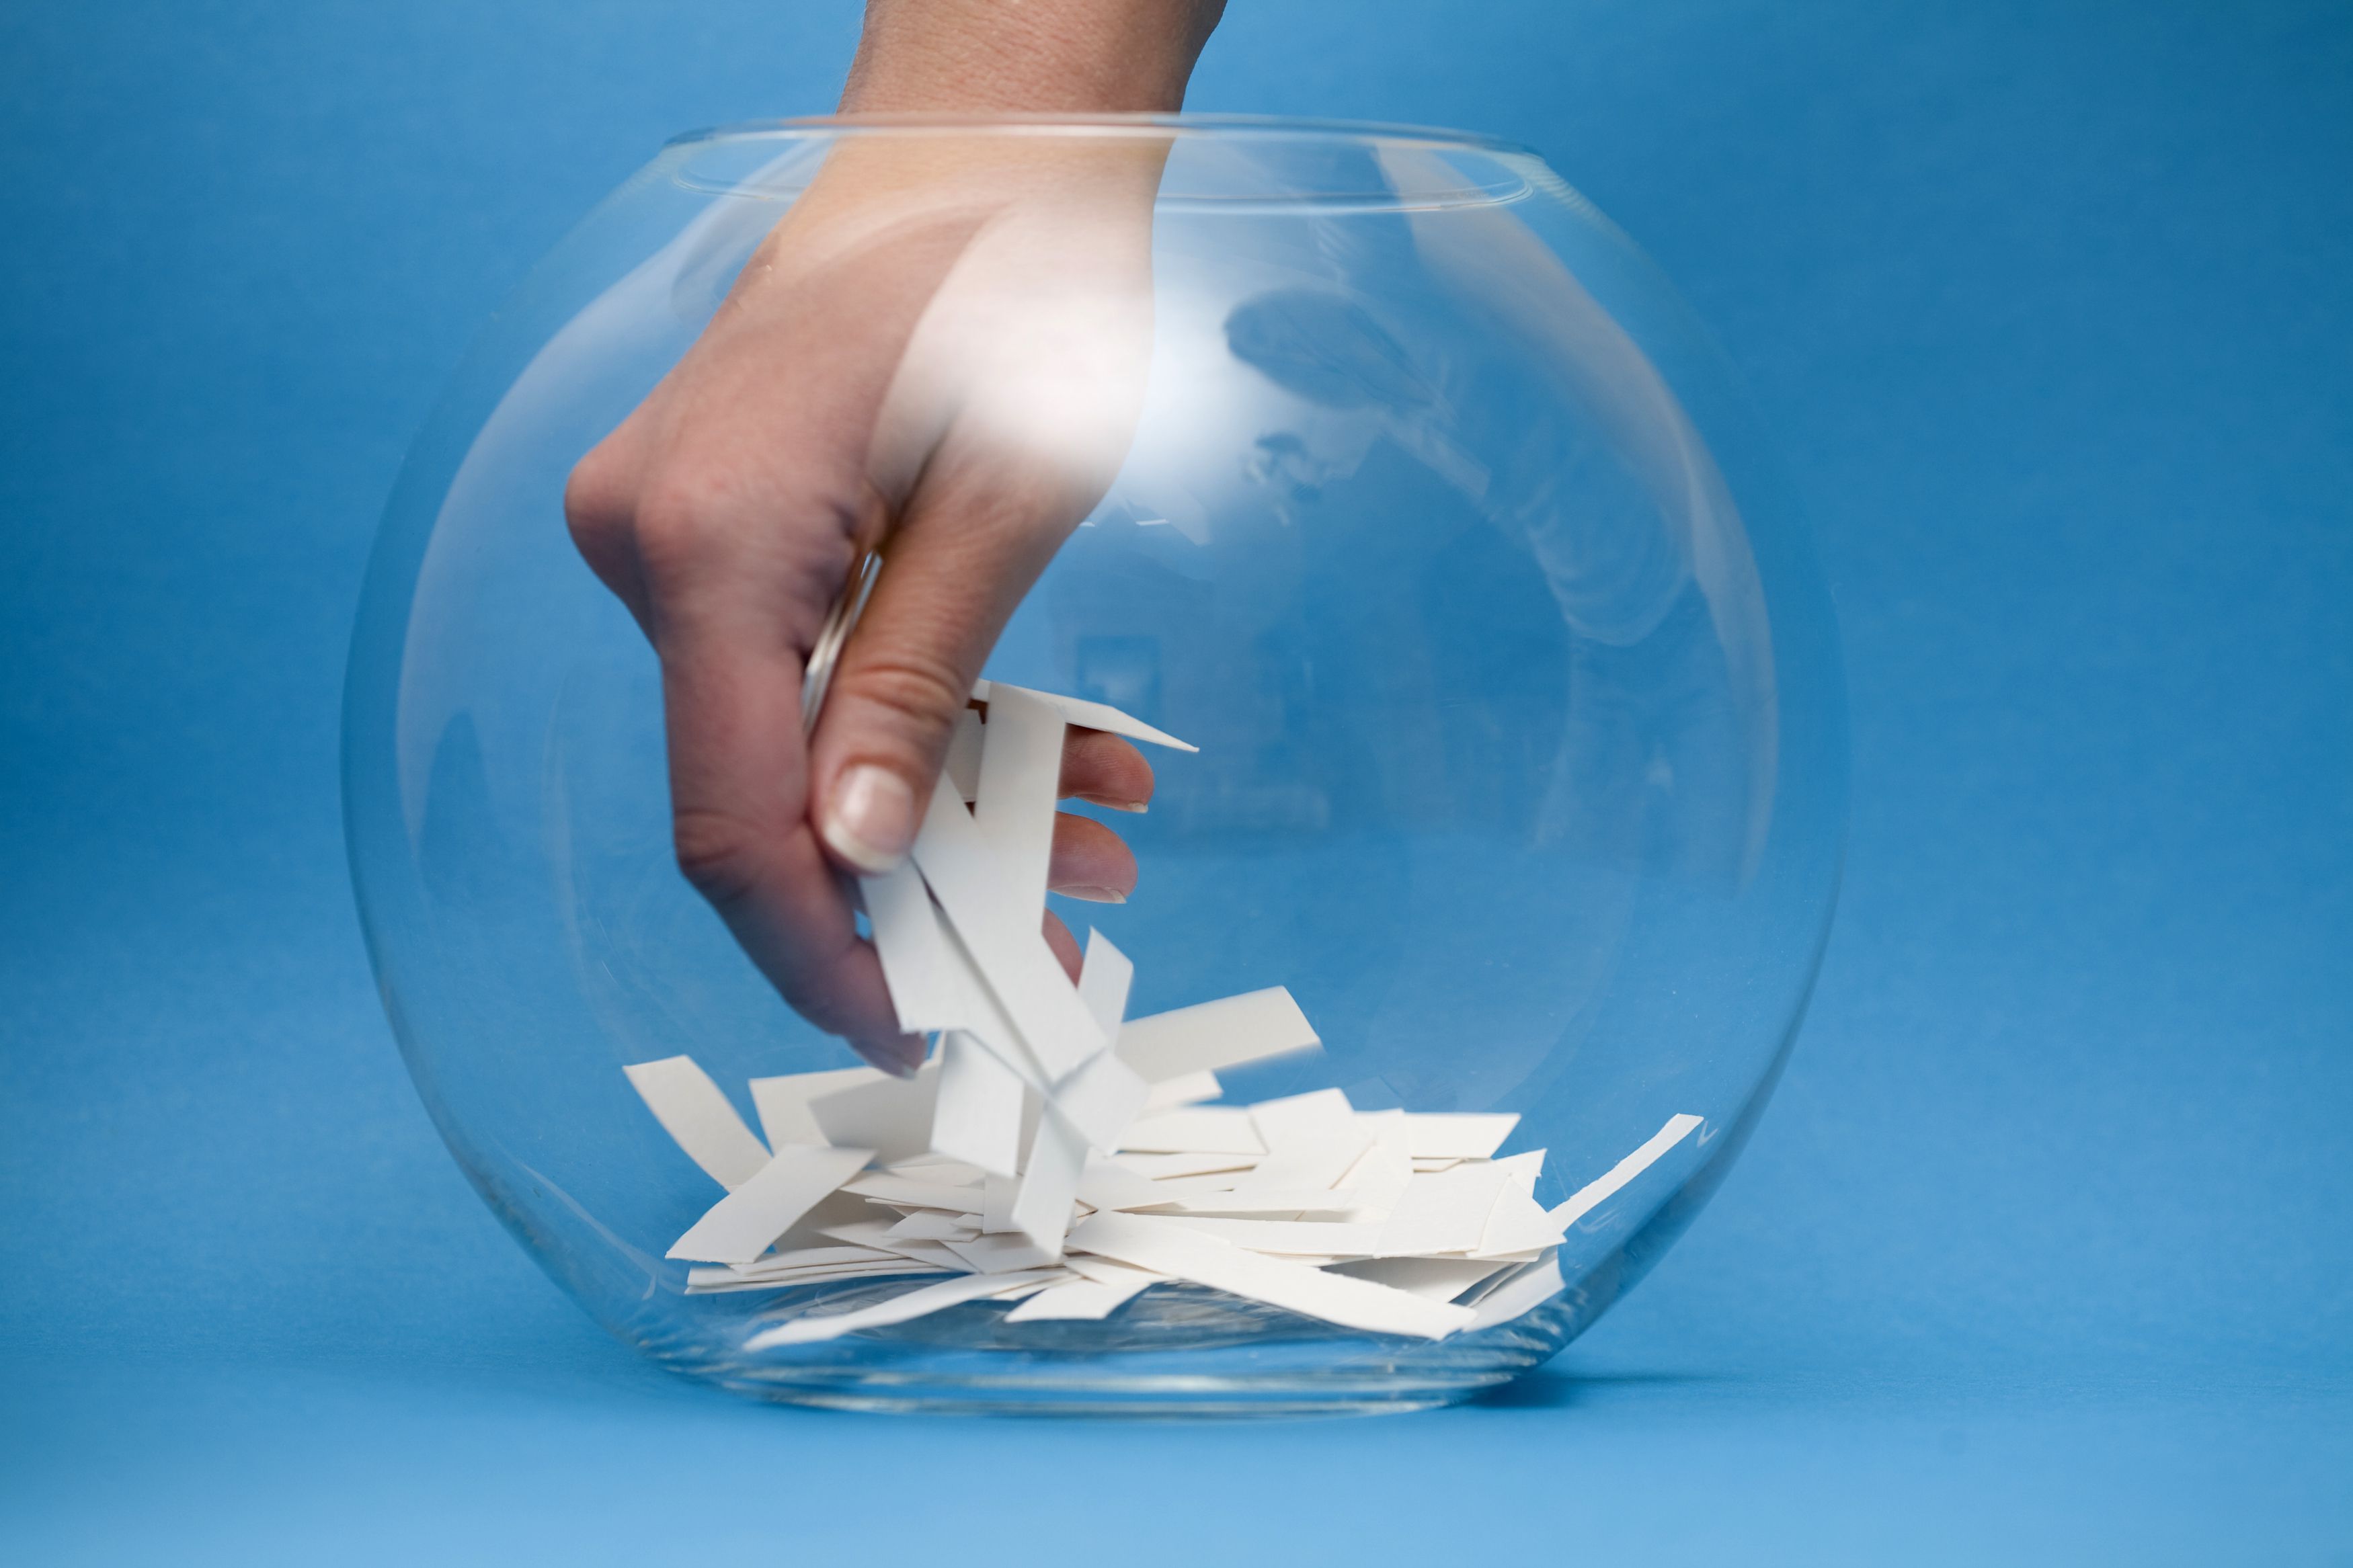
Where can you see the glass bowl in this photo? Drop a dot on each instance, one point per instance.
(1440, 532)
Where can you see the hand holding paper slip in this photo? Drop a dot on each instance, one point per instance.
(1057, 1153)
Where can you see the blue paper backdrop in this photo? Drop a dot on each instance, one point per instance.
(2043, 1255)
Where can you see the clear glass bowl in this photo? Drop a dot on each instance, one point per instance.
(1441, 534)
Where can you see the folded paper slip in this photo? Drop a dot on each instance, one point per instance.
(1167, 1247)
(915, 1304)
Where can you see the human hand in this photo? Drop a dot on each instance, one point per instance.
(939, 352)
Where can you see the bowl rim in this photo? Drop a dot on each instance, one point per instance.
(1233, 127)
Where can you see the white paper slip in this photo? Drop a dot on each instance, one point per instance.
(1079, 1300)
(888, 1187)
(898, 1269)
(1196, 1130)
(1379, 1179)
(1314, 1117)
(1101, 1099)
(1105, 1184)
(934, 1224)
(1049, 1184)
(977, 1115)
(1020, 778)
(1105, 978)
(807, 1257)
(1314, 1161)
(929, 989)
(1594, 1194)
(892, 1116)
(915, 1303)
(1169, 1167)
(698, 1117)
(931, 1168)
(1320, 1239)
(1208, 1036)
(962, 768)
(1287, 1203)
(1109, 1271)
(999, 1254)
(1445, 1212)
(1186, 1088)
(877, 1234)
(1085, 715)
(1519, 1295)
(996, 1195)
(1165, 1247)
(783, 1101)
(1432, 1278)
(740, 1226)
(1455, 1135)
(1518, 1224)
(1004, 939)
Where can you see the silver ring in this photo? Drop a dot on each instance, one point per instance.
(834, 634)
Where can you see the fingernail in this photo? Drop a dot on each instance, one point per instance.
(901, 1057)
(870, 820)
(1138, 806)
(1094, 895)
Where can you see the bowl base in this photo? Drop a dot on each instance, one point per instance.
(1177, 1352)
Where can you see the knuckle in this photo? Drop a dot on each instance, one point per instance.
(919, 694)
(720, 853)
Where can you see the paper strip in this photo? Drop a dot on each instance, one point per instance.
(1595, 1193)
(1049, 1184)
(1290, 1203)
(999, 1254)
(1432, 1279)
(1315, 1162)
(1105, 978)
(962, 768)
(928, 988)
(1186, 1088)
(1003, 937)
(1107, 1185)
(892, 1116)
(740, 1225)
(1197, 1129)
(1446, 1212)
(1080, 1300)
(1189, 1163)
(1021, 779)
(978, 1117)
(1104, 1271)
(1167, 1247)
(1101, 1099)
(1520, 1294)
(1208, 1036)
(694, 1113)
(783, 1103)
(915, 1303)
(889, 1188)
(1085, 715)
(1457, 1136)
(1306, 1119)
(876, 1234)
(1320, 1239)
(934, 1224)
(807, 1257)
(898, 1268)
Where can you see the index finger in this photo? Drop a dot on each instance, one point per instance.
(739, 797)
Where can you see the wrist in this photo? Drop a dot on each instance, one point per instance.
(1036, 57)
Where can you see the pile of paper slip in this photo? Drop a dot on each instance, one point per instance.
(1055, 1154)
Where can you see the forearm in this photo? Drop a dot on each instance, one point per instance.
(1040, 57)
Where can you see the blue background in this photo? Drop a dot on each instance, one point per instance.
(2043, 1255)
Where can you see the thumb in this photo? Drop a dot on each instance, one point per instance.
(950, 580)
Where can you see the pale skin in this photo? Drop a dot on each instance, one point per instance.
(938, 351)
